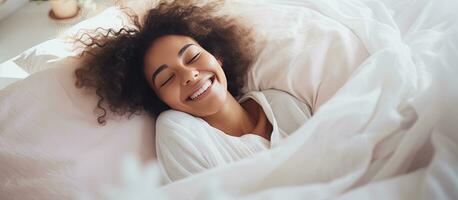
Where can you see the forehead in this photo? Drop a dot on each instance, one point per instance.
(164, 49)
(169, 44)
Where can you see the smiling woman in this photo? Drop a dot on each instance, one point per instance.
(114, 61)
(186, 66)
(191, 80)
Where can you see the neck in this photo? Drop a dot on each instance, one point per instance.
(233, 118)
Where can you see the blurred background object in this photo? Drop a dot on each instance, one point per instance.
(63, 9)
(24, 23)
(27, 23)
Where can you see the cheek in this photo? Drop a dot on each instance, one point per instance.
(171, 97)
(213, 63)
(209, 60)
(222, 77)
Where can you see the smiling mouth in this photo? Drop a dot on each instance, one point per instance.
(200, 93)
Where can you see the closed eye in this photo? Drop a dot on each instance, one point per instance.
(194, 58)
(173, 75)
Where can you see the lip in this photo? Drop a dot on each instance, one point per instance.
(200, 84)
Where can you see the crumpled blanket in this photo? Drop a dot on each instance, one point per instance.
(390, 132)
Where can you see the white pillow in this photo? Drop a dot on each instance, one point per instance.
(301, 52)
(51, 145)
(10, 72)
(34, 59)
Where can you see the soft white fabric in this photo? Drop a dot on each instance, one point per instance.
(51, 146)
(9, 73)
(389, 133)
(186, 145)
(46, 104)
(300, 51)
(11, 70)
(34, 59)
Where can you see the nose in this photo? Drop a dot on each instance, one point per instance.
(189, 76)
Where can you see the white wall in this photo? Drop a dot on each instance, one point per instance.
(10, 6)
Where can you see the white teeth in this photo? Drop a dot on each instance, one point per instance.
(201, 90)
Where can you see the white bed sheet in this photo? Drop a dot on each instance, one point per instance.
(10, 73)
(51, 146)
(389, 133)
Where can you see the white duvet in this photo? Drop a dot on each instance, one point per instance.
(391, 131)
(380, 77)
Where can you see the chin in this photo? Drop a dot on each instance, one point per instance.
(210, 108)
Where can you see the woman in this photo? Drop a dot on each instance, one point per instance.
(187, 66)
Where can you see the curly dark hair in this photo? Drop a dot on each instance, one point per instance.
(113, 60)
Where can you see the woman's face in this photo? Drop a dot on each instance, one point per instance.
(185, 76)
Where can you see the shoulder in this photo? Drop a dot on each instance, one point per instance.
(174, 117)
(179, 146)
(173, 123)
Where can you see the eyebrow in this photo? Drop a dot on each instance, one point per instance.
(164, 66)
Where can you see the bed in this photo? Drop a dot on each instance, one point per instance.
(380, 77)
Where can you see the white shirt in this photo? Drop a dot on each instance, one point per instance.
(186, 145)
